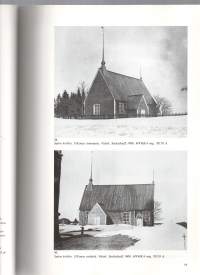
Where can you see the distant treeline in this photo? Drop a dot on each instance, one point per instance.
(70, 106)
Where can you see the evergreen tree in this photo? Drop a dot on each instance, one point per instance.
(65, 104)
(57, 106)
(70, 106)
(79, 102)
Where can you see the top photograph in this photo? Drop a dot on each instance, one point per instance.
(120, 82)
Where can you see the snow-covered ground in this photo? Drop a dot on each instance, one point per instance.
(162, 127)
(168, 236)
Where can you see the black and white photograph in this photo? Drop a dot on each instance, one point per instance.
(120, 82)
(117, 200)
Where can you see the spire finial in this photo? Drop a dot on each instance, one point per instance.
(103, 61)
(91, 167)
(90, 184)
(140, 72)
(153, 177)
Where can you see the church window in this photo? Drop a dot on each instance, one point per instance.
(121, 108)
(125, 217)
(96, 109)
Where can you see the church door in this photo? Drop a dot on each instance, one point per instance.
(139, 220)
(97, 220)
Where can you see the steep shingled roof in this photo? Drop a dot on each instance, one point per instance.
(119, 197)
(122, 86)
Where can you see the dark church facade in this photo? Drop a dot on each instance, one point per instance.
(113, 95)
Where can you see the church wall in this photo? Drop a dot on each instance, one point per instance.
(83, 217)
(116, 217)
(153, 109)
(147, 218)
(132, 113)
(99, 94)
(117, 113)
(133, 220)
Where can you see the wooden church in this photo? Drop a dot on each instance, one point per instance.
(116, 204)
(113, 95)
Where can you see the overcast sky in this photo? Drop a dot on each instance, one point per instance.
(161, 52)
(125, 167)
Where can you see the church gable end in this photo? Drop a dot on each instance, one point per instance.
(97, 215)
(99, 101)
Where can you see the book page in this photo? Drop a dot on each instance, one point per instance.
(8, 136)
(108, 145)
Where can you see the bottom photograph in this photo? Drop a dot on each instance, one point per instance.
(120, 200)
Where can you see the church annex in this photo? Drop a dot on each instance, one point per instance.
(116, 204)
(113, 95)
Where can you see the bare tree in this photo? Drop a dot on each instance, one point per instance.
(163, 105)
(83, 87)
(157, 211)
(84, 91)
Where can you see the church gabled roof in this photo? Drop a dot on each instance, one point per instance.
(119, 197)
(122, 86)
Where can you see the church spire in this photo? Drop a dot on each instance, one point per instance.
(91, 170)
(90, 184)
(103, 61)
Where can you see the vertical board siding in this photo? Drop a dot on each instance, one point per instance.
(99, 94)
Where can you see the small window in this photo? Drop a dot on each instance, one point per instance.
(96, 109)
(121, 108)
(126, 217)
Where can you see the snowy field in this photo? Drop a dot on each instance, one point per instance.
(168, 236)
(161, 127)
